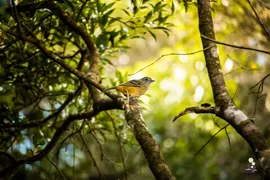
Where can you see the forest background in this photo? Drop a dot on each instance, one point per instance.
(37, 95)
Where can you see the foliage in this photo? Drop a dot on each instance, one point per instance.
(36, 90)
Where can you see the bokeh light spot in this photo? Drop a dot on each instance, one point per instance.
(250, 160)
(179, 73)
(145, 99)
(168, 143)
(124, 59)
(209, 125)
(198, 93)
(225, 2)
(199, 65)
(228, 65)
(194, 80)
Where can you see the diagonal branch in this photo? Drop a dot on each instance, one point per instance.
(196, 109)
(71, 118)
(259, 20)
(225, 107)
(62, 63)
(147, 142)
(234, 46)
(92, 157)
(58, 170)
(37, 123)
(224, 127)
(16, 16)
(119, 144)
(169, 54)
(9, 170)
(94, 58)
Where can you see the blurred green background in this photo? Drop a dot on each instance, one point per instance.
(181, 81)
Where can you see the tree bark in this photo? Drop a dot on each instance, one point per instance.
(147, 142)
(225, 107)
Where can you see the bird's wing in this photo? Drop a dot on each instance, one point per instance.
(133, 83)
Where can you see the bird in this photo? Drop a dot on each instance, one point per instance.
(133, 88)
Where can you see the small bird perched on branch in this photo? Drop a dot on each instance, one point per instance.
(133, 88)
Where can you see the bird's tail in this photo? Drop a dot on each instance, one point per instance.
(106, 90)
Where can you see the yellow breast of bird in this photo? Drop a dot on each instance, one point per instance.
(132, 91)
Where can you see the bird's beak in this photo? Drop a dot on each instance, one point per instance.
(152, 80)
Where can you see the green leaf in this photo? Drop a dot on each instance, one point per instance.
(185, 5)
(109, 12)
(157, 6)
(172, 8)
(135, 6)
(152, 34)
(144, 1)
(105, 7)
(126, 12)
(148, 16)
(162, 28)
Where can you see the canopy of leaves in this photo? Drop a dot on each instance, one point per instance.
(36, 94)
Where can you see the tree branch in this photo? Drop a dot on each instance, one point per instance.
(234, 46)
(196, 109)
(225, 107)
(92, 157)
(94, 58)
(37, 123)
(212, 138)
(147, 142)
(62, 63)
(119, 144)
(71, 118)
(266, 32)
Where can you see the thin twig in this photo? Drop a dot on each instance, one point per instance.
(235, 46)
(263, 4)
(119, 143)
(16, 16)
(235, 92)
(210, 139)
(260, 82)
(215, 120)
(228, 137)
(74, 158)
(58, 170)
(42, 153)
(92, 157)
(260, 85)
(259, 20)
(81, 9)
(102, 156)
(241, 67)
(170, 54)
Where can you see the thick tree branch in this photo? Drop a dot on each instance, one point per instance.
(62, 63)
(147, 142)
(71, 118)
(9, 170)
(94, 58)
(67, 19)
(226, 109)
(134, 117)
